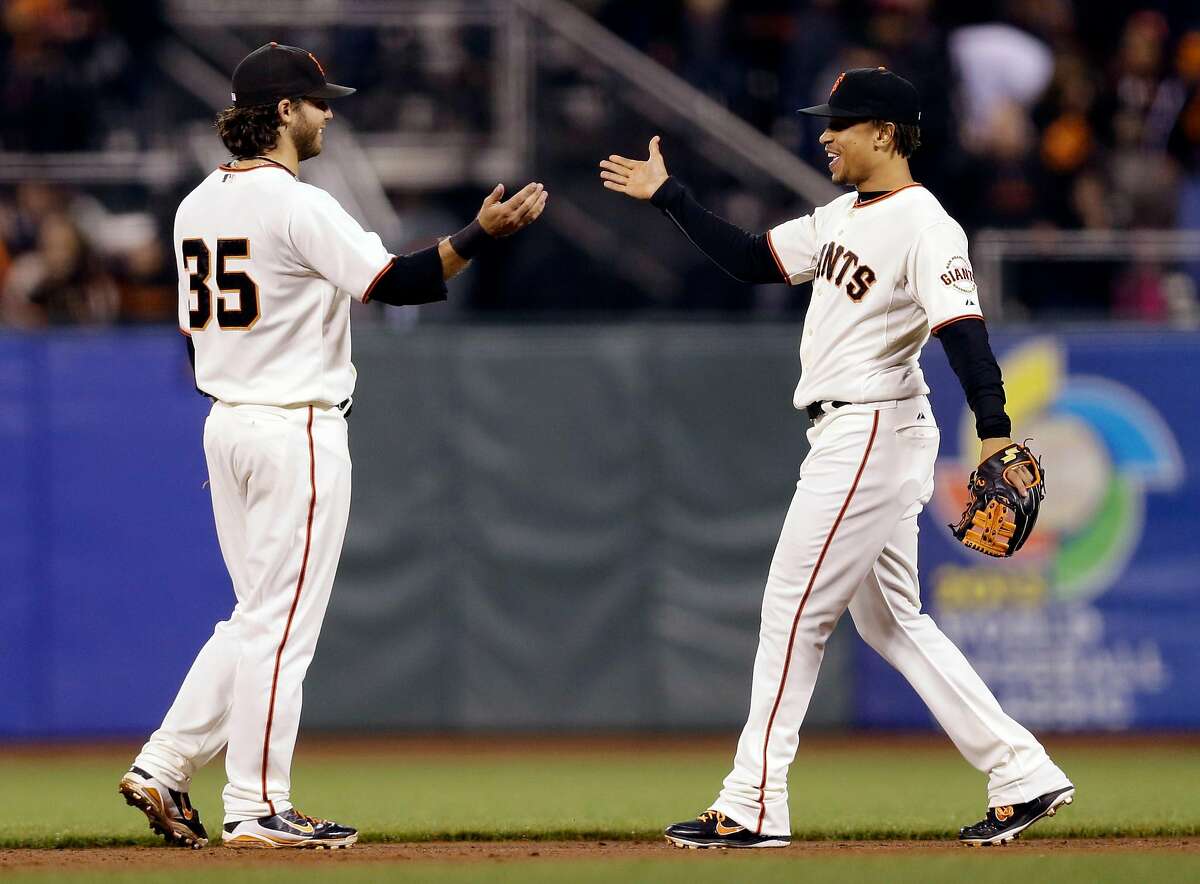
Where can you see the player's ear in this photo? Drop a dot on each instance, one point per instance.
(885, 135)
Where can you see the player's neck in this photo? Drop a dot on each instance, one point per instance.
(890, 176)
(285, 154)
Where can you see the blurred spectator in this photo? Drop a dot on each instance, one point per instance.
(1142, 179)
(5, 263)
(1061, 122)
(1042, 114)
(61, 282)
(1068, 141)
(66, 75)
(1003, 173)
(998, 65)
(146, 283)
(1139, 293)
(1183, 140)
(70, 253)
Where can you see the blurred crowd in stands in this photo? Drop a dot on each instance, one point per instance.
(75, 76)
(1038, 114)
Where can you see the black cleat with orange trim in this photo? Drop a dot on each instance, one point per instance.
(170, 812)
(1006, 823)
(714, 829)
(288, 829)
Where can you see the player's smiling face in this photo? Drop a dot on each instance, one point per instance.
(848, 149)
(309, 127)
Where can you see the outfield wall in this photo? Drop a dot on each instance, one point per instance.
(569, 527)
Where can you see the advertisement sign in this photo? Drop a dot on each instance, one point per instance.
(1092, 624)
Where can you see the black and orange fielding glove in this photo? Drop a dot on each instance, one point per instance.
(998, 520)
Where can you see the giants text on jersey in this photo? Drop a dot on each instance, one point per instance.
(886, 273)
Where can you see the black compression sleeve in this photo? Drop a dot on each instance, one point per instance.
(970, 354)
(415, 278)
(191, 351)
(745, 256)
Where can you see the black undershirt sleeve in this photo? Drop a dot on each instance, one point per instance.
(745, 256)
(970, 354)
(191, 353)
(415, 278)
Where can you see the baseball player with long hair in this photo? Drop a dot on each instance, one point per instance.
(889, 268)
(267, 268)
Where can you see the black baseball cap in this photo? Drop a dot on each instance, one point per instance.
(870, 94)
(274, 71)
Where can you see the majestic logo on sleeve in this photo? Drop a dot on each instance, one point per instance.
(840, 265)
(959, 274)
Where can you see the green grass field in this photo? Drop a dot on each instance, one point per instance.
(854, 791)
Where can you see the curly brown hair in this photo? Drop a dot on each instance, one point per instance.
(250, 131)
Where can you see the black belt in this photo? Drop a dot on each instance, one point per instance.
(815, 410)
(344, 406)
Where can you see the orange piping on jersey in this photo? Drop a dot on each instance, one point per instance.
(186, 334)
(880, 199)
(267, 164)
(378, 276)
(775, 255)
(941, 325)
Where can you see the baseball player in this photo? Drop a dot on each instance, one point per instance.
(267, 268)
(889, 268)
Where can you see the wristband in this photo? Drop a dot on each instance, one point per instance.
(472, 240)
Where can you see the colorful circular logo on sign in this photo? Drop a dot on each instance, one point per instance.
(1104, 447)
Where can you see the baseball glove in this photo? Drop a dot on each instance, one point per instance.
(998, 520)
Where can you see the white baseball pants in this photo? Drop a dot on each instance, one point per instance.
(280, 484)
(850, 541)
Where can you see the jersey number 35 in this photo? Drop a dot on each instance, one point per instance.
(228, 281)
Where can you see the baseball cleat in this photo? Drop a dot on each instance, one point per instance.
(1006, 823)
(288, 829)
(713, 829)
(170, 812)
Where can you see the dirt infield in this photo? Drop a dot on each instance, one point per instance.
(100, 859)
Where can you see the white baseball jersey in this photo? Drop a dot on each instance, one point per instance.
(267, 267)
(886, 273)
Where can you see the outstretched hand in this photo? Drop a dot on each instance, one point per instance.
(502, 219)
(639, 179)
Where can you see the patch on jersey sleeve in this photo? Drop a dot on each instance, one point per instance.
(959, 274)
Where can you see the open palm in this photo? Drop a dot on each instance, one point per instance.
(636, 178)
